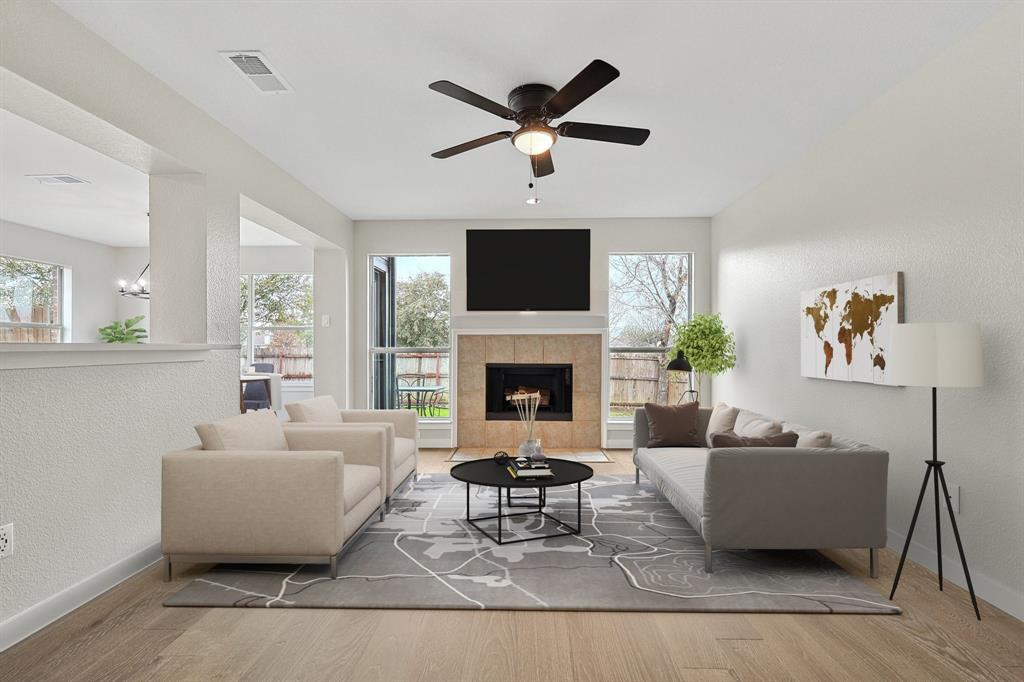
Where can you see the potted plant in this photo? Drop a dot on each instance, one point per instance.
(124, 332)
(707, 344)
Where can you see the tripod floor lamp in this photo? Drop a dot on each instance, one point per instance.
(680, 364)
(938, 355)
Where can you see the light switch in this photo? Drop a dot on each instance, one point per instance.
(325, 320)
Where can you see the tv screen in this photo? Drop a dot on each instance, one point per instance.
(528, 269)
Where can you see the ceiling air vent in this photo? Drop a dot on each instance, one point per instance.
(60, 179)
(257, 71)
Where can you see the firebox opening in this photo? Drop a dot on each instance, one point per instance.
(553, 382)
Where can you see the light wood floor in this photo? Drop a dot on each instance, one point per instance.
(126, 634)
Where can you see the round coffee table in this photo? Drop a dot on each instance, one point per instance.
(489, 473)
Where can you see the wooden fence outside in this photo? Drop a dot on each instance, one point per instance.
(290, 366)
(638, 378)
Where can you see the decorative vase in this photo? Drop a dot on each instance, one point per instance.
(531, 449)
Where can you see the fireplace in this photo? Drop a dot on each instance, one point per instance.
(553, 382)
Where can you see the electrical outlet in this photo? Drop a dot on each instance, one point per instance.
(6, 540)
(954, 497)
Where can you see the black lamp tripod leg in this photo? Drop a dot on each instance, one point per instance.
(959, 545)
(937, 471)
(910, 532)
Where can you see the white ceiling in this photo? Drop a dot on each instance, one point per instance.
(111, 208)
(731, 91)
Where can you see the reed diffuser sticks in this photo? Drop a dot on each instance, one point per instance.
(526, 405)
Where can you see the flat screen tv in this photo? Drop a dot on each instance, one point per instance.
(528, 269)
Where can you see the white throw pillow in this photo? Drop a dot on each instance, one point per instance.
(756, 425)
(723, 418)
(809, 438)
(814, 439)
(321, 409)
(259, 430)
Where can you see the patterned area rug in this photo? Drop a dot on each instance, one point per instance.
(591, 457)
(636, 553)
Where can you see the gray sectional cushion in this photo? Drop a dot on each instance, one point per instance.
(679, 474)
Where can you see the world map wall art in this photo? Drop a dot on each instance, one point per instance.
(845, 328)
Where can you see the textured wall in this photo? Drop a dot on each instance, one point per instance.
(177, 253)
(927, 180)
(80, 463)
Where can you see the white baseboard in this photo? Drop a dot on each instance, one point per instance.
(38, 616)
(994, 592)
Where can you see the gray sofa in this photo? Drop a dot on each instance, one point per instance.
(772, 498)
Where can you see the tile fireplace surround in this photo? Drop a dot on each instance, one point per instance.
(582, 351)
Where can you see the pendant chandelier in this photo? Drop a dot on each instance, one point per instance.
(136, 289)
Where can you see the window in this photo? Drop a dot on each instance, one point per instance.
(410, 334)
(277, 323)
(30, 301)
(648, 296)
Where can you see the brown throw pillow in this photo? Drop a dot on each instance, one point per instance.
(672, 426)
(730, 439)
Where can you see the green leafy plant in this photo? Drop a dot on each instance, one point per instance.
(707, 344)
(124, 332)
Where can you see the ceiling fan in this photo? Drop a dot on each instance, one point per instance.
(534, 106)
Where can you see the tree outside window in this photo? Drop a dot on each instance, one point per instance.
(277, 322)
(30, 301)
(648, 297)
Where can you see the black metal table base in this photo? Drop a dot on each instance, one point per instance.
(536, 510)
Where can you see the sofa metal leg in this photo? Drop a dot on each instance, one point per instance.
(167, 569)
(382, 512)
(638, 475)
(873, 561)
(334, 566)
(387, 506)
(707, 557)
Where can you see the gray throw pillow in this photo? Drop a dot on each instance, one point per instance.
(672, 426)
(730, 439)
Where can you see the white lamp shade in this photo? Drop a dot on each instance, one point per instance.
(943, 354)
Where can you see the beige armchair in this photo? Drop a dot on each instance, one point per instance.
(401, 426)
(302, 497)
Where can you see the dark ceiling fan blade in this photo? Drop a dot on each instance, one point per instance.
(472, 144)
(479, 101)
(603, 133)
(542, 164)
(592, 78)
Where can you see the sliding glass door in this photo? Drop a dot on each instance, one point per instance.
(410, 334)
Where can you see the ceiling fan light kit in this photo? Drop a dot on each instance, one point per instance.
(533, 106)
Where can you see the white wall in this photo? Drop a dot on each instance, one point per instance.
(608, 235)
(80, 455)
(273, 259)
(94, 287)
(927, 180)
(80, 447)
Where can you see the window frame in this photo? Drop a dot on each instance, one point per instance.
(249, 343)
(375, 350)
(663, 350)
(62, 326)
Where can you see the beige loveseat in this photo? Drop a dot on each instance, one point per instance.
(257, 492)
(401, 426)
